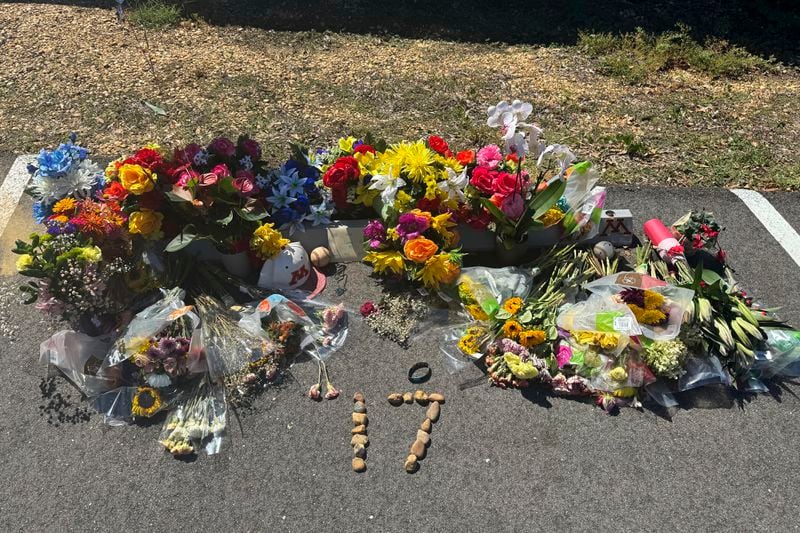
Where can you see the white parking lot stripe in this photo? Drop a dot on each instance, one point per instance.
(12, 188)
(781, 230)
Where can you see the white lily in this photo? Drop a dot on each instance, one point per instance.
(454, 185)
(280, 198)
(388, 185)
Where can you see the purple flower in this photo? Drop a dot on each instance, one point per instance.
(168, 345)
(222, 146)
(375, 233)
(633, 296)
(507, 345)
(411, 226)
(251, 148)
(155, 353)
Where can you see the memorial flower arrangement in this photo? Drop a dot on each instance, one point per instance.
(416, 245)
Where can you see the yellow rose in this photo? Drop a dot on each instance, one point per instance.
(24, 262)
(136, 179)
(146, 222)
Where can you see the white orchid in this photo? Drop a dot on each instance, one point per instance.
(319, 215)
(388, 185)
(559, 154)
(291, 181)
(280, 198)
(509, 117)
(454, 185)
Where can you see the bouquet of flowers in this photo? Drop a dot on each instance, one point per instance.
(347, 169)
(416, 245)
(699, 230)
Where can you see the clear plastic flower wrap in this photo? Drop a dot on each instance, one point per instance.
(780, 355)
(78, 357)
(461, 345)
(197, 422)
(482, 289)
(658, 307)
(599, 314)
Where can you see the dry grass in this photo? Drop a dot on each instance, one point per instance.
(92, 74)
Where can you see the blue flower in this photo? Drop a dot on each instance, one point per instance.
(55, 163)
(41, 211)
(285, 215)
(301, 204)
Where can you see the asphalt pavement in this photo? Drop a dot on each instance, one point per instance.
(499, 460)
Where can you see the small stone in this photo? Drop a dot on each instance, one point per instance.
(395, 398)
(424, 437)
(359, 451)
(358, 464)
(426, 425)
(436, 397)
(411, 464)
(433, 412)
(360, 419)
(358, 397)
(359, 439)
(418, 449)
(408, 397)
(359, 407)
(421, 397)
(359, 430)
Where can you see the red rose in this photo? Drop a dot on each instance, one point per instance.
(115, 191)
(466, 157)
(187, 154)
(483, 179)
(221, 171)
(439, 145)
(222, 147)
(505, 184)
(364, 148)
(345, 170)
(148, 158)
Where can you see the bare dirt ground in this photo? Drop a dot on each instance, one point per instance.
(68, 68)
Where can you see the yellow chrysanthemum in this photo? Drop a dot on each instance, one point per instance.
(386, 261)
(624, 392)
(146, 402)
(267, 242)
(653, 317)
(61, 219)
(346, 144)
(653, 300)
(512, 329)
(431, 188)
(64, 206)
(414, 159)
(513, 305)
(604, 340)
(532, 337)
(449, 162)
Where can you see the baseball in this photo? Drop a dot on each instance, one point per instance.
(320, 257)
(602, 250)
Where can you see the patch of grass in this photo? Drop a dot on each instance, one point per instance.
(155, 14)
(632, 146)
(636, 56)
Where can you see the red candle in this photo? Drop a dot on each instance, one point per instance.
(656, 231)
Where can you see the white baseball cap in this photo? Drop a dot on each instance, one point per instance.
(291, 269)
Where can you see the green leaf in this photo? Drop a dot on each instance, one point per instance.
(502, 314)
(496, 213)
(154, 108)
(525, 317)
(226, 220)
(33, 273)
(709, 276)
(252, 215)
(182, 240)
(547, 198)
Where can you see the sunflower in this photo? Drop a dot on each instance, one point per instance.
(532, 337)
(146, 402)
(512, 329)
(513, 305)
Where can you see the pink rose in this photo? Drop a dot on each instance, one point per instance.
(482, 179)
(251, 148)
(207, 180)
(221, 171)
(222, 147)
(513, 206)
(245, 185)
(185, 175)
(506, 184)
(489, 156)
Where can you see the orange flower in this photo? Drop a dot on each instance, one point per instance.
(452, 273)
(512, 329)
(420, 249)
(513, 305)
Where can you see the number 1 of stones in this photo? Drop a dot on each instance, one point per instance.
(359, 441)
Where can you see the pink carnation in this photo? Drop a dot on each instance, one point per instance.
(564, 355)
(489, 156)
